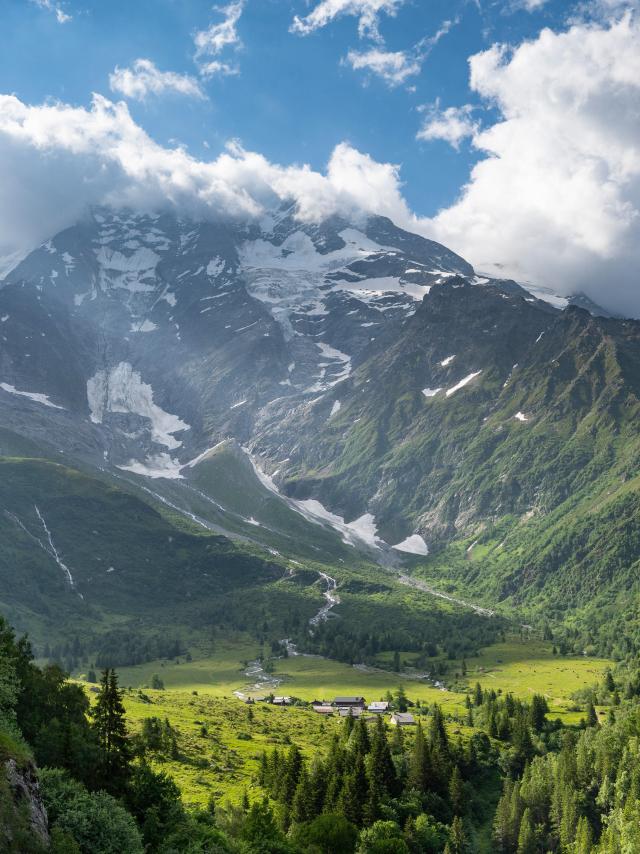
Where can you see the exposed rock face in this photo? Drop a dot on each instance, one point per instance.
(24, 786)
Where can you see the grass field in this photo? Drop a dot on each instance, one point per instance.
(526, 667)
(219, 745)
(220, 740)
(520, 667)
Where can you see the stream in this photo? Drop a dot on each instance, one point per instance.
(264, 682)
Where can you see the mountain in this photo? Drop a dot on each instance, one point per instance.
(343, 391)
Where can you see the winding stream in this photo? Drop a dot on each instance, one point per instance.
(264, 682)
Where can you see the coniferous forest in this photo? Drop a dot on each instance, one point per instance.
(503, 778)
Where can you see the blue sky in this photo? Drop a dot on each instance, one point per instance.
(515, 124)
(294, 98)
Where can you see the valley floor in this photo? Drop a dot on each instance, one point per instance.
(220, 738)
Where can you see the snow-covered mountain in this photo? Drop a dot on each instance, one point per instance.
(135, 343)
(162, 334)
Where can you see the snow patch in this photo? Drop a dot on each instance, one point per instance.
(431, 392)
(447, 361)
(121, 389)
(520, 416)
(414, 545)
(215, 266)
(127, 271)
(335, 408)
(145, 326)
(156, 466)
(462, 383)
(361, 531)
(31, 395)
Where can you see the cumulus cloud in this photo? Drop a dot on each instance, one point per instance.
(217, 38)
(557, 198)
(394, 67)
(452, 124)
(367, 11)
(144, 79)
(56, 159)
(61, 16)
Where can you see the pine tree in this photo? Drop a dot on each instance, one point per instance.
(456, 792)
(584, 837)
(419, 762)
(303, 807)
(538, 712)
(526, 837)
(382, 771)
(457, 837)
(293, 768)
(360, 742)
(592, 716)
(114, 764)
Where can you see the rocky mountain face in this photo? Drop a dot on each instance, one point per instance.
(377, 385)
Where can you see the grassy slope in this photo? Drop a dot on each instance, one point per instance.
(127, 560)
(223, 765)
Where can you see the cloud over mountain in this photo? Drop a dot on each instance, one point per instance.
(557, 197)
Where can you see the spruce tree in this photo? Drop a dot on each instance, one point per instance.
(360, 742)
(456, 792)
(303, 807)
(114, 762)
(382, 771)
(526, 837)
(584, 837)
(419, 762)
(457, 837)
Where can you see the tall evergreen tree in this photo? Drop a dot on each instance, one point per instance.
(419, 762)
(114, 757)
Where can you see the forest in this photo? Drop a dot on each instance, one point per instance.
(507, 778)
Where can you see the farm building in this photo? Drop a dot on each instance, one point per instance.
(402, 719)
(323, 710)
(349, 702)
(378, 708)
(351, 712)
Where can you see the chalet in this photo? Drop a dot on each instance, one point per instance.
(351, 712)
(378, 708)
(282, 701)
(402, 719)
(349, 702)
(323, 710)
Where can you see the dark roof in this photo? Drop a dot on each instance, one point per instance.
(348, 700)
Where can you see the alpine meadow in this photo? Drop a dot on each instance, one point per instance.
(320, 427)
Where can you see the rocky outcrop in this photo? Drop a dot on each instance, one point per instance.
(24, 789)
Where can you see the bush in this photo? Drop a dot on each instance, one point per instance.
(98, 823)
(326, 834)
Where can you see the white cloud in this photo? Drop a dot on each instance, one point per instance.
(56, 159)
(48, 5)
(557, 199)
(144, 79)
(451, 125)
(396, 67)
(217, 38)
(529, 5)
(367, 11)
(393, 67)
